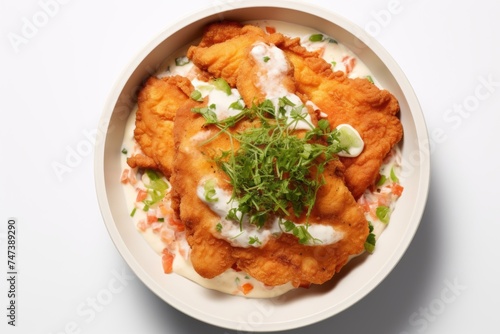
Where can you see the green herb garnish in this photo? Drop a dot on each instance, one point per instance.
(274, 172)
(181, 61)
(209, 191)
(370, 239)
(156, 188)
(383, 213)
(316, 37)
(393, 176)
(196, 95)
(254, 240)
(124, 151)
(222, 85)
(266, 59)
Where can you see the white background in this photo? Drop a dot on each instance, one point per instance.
(54, 84)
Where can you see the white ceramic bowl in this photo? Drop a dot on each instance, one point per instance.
(301, 307)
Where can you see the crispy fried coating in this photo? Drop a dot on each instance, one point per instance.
(210, 256)
(370, 110)
(282, 259)
(172, 137)
(225, 45)
(158, 102)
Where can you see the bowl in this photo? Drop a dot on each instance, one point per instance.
(301, 307)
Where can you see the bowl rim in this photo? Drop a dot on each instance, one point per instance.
(207, 14)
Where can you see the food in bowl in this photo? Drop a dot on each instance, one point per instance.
(262, 159)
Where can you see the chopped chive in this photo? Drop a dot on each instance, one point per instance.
(383, 213)
(394, 178)
(316, 37)
(382, 180)
(196, 95)
(222, 85)
(133, 212)
(124, 151)
(266, 59)
(181, 61)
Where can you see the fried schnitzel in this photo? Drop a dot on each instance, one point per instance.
(370, 110)
(158, 102)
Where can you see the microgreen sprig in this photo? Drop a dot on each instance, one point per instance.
(275, 171)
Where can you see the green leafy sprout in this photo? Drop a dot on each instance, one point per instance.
(274, 172)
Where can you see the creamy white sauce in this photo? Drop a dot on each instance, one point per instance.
(242, 233)
(274, 68)
(162, 235)
(350, 138)
(220, 99)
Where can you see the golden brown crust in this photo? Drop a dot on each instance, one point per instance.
(370, 110)
(165, 115)
(158, 102)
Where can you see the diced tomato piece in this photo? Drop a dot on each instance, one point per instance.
(270, 30)
(124, 176)
(131, 178)
(167, 261)
(141, 195)
(349, 63)
(397, 189)
(176, 224)
(152, 218)
(141, 225)
(246, 288)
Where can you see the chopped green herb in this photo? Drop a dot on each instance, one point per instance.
(300, 231)
(381, 180)
(161, 220)
(196, 95)
(370, 239)
(393, 175)
(210, 193)
(124, 151)
(133, 212)
(181, 61)
(218, 227)
(266, 59)
(383, 213)
(333, 41)
(316, 37)
(254, 240)
(208, 113)
(222, 85)
(156, 188)
(274, 172)
(369, 78)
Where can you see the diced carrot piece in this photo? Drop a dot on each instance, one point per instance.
(141, 225)
(131, 178)
(152, 218)
(397, 189)
(246, 288)
(141, 195)
(124, 177)
(349, 63)
(270, 30)
(167, 261)
(176, 224)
